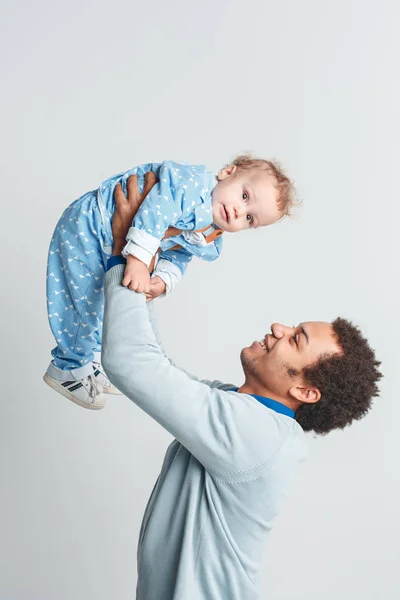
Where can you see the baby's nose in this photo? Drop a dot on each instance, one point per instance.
(239, 211)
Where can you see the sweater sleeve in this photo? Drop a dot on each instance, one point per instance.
(228, 434)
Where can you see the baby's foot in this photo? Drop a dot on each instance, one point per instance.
(85, 391)
(102, 380)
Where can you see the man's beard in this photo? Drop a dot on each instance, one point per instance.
(250, 366)
(249, 363)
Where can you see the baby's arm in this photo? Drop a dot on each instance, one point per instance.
(160, 209)
(179, 189)
(169, 270)
(171, 266)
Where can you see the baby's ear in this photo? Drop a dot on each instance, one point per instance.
(226, 171)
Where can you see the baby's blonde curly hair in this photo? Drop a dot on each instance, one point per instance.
(286, 190)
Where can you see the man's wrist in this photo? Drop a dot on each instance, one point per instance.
(118, 245)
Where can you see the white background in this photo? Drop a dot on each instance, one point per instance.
(93, 88)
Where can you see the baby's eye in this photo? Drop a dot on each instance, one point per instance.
(249, 218)
(245, 196)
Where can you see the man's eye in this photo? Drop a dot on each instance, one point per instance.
(295, 339)
(249, 218)
(245, 196)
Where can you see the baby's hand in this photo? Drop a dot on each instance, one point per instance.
(136, 276)
(157, 288)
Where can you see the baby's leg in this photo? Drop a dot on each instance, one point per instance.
(75, 295)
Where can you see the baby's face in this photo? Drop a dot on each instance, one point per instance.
(244, 199)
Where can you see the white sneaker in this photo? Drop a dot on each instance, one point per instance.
(84, 392)
(102, 380)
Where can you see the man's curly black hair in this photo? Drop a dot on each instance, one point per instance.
(347, 382)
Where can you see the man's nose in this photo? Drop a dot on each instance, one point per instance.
(279, 330)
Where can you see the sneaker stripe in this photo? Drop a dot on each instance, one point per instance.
(67, 383)
(97, 372)
(75, 387)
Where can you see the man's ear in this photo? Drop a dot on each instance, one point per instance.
(224, 173)
(306, 394)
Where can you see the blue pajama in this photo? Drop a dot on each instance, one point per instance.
(77, 261)
(82, 243)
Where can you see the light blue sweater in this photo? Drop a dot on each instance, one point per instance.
(224, 477)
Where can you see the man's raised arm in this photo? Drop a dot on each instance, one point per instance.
(213, 424)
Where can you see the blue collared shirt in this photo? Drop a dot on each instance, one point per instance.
(273, 405)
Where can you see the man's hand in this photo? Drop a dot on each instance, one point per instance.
(126, 208)
(157, 288)
(136, 276)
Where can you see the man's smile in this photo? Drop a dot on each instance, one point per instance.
(264, 344)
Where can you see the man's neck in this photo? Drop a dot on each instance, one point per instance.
(256, 390)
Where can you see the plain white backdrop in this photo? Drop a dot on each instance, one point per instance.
(92, 88)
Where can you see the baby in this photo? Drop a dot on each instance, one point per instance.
(184, 215)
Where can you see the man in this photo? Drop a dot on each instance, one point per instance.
(235, 451)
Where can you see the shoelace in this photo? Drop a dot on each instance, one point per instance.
(98, 366)
(91, 386)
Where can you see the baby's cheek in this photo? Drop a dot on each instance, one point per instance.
(241, 225)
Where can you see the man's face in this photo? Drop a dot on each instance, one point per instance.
(244, 200)
(277, 361)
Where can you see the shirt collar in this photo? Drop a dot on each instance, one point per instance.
(273, 405)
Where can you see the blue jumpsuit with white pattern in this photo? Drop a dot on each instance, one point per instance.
(82, 243)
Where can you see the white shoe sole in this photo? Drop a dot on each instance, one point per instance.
(112, 390)
(55, 385)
